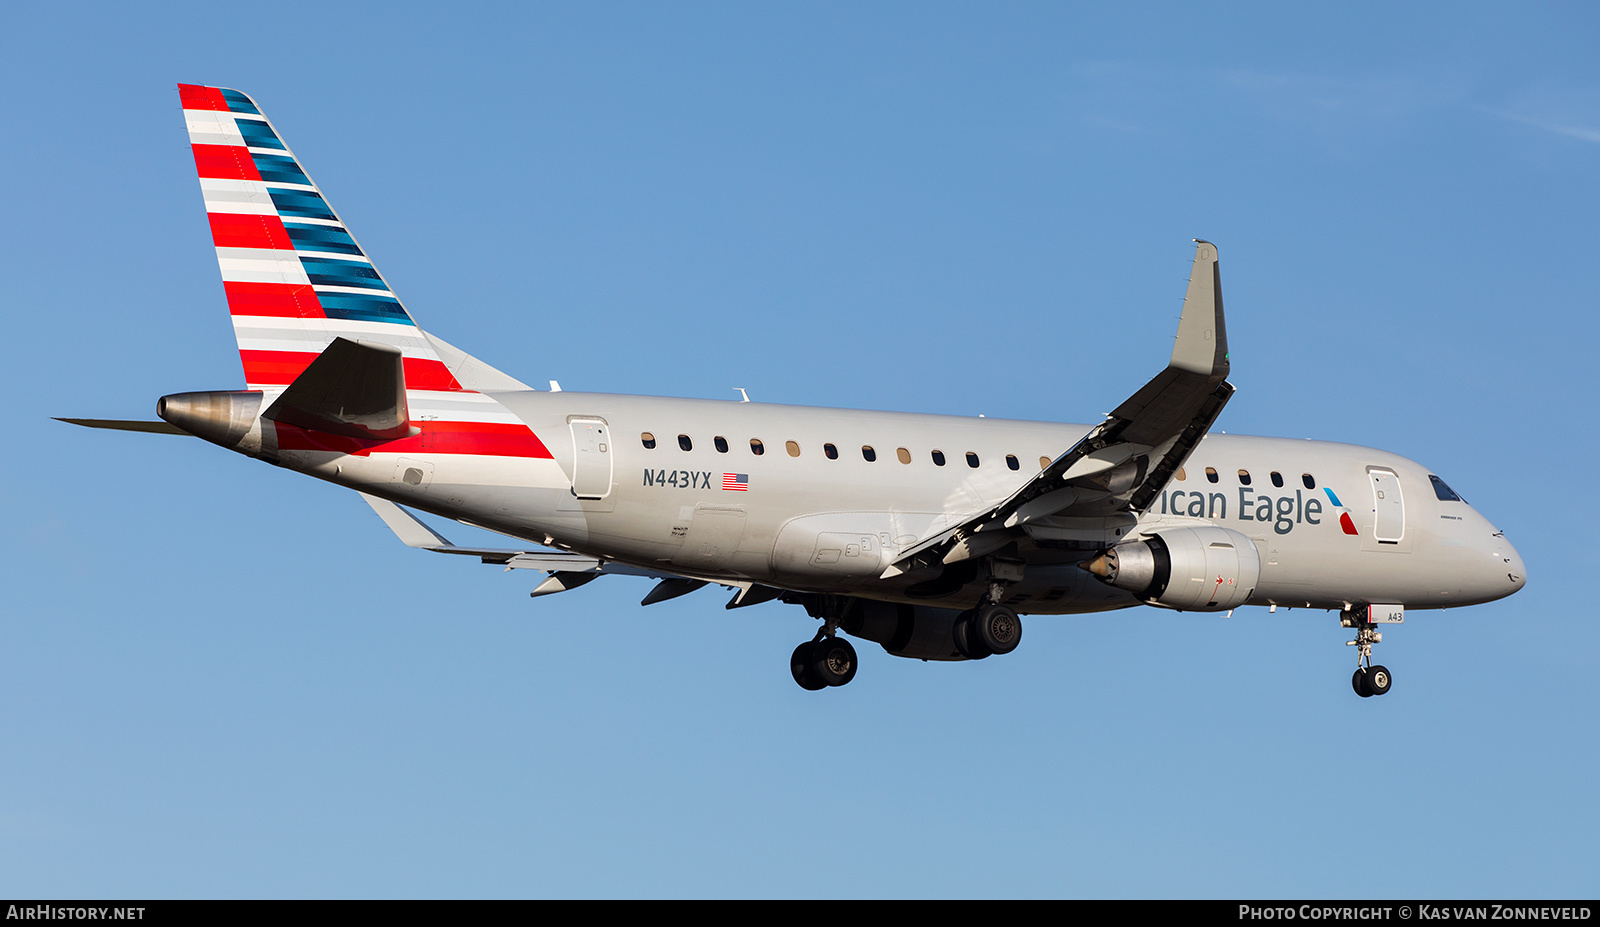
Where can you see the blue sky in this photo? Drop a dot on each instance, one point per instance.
(217, 679)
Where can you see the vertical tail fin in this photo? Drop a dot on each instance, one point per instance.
(294, 276)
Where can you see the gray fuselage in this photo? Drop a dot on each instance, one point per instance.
(792, 516)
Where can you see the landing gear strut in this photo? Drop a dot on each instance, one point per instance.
(1368, 680)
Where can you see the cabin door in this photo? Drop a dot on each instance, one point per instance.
(1388, 506)
(591, 457)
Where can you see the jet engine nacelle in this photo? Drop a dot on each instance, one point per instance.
(1193, 569)
(920, 632)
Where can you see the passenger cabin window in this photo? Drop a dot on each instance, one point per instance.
(938, 458)
(792, 448)
(685, 443)
(648, 440)
(721, 443)
(756, 447)
(1044, 463)
(1211, 474)
(972, 460)
(1182, 475)
(1277, 479)
(1309, 481)
(903, 455)
(868, 454)
(831, 451)
(1445, 493)
(1244, 477)
(1012, 462)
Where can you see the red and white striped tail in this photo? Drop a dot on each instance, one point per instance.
(296, 279)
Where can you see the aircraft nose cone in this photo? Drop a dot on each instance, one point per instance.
(1509, 574)
(1516, 574)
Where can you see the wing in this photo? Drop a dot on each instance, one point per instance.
(567, 570)
(1101, 483)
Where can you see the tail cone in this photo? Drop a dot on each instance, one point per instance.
(223, 418)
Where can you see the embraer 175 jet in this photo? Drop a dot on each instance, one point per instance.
(926, 534)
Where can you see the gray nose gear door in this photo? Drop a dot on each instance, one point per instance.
(591, 456)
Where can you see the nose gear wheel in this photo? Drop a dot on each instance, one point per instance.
(1368, 680)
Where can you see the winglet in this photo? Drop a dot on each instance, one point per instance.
(1202, 343)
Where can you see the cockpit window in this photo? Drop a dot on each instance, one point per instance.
(1445, 493)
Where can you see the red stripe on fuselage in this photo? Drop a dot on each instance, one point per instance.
(484, 439)
(279, 368)
(239, 230)
(224, 162)
(195, 96)
(280, 300)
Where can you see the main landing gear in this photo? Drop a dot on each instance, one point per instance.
(987, 629)
(823, 661)
(1368, 680)
(991, 627)
(903, 630)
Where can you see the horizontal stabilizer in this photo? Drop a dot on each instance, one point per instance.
(355, 389)
(155, 428)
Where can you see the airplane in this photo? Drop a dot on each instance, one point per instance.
(928, 535)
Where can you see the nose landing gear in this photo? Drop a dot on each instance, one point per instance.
(1368, 680)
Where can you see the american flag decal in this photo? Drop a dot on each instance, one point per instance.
(739, 482)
